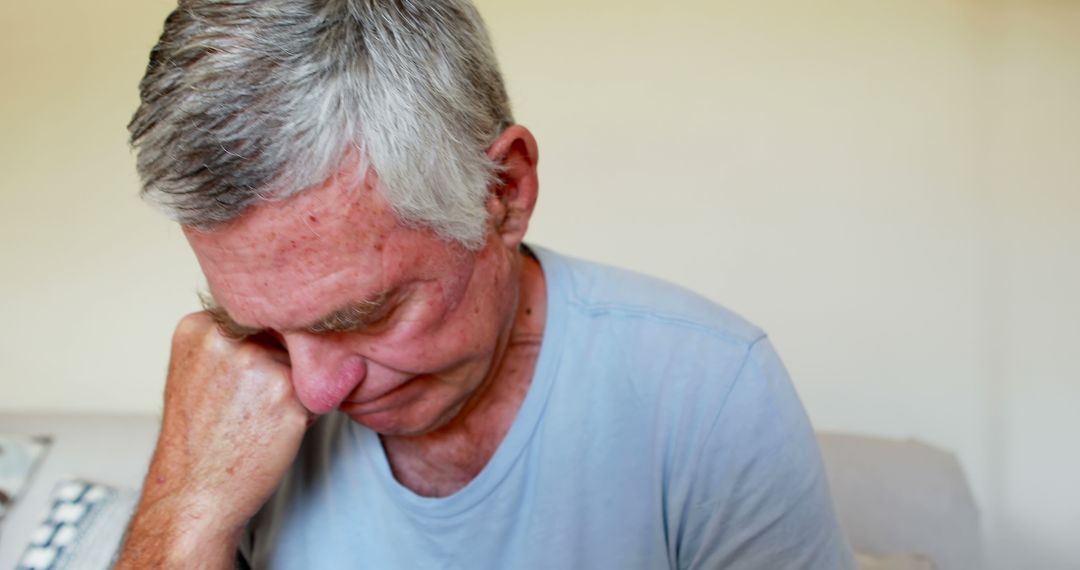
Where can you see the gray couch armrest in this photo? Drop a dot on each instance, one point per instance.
(897, 496)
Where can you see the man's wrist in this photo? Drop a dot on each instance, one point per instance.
(174, 533)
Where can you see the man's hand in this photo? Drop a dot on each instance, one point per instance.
(232, 426)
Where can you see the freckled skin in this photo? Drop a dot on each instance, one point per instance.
(424, 379)
(270, 270)
(441, 378)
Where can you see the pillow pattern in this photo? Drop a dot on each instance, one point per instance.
(83, 528)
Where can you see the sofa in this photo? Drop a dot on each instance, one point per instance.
(904, 505)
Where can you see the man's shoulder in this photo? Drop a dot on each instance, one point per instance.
(605, 293)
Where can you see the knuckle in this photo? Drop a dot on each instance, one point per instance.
(249, 355)
(196, 320)
(275, 384)
(277, 392)
(191, 326)
(213, 343)
(197, 344)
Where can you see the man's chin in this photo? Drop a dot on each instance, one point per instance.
(405, 414)
(391, 423)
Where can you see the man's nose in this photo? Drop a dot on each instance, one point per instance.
(324, 370)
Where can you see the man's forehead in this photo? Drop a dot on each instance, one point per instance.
(336, 209)
(339, 215)
(292, 261)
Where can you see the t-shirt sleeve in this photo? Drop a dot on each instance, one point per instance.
(757, 497)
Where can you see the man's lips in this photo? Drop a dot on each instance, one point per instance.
(378, 402)
(374, 407)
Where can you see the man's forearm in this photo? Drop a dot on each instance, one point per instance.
(231, 428)
(167, 535)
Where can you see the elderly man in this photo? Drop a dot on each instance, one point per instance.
(386, 375)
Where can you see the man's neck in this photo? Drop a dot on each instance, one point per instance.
(442, 462)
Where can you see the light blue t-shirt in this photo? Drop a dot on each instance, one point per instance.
(660, 431)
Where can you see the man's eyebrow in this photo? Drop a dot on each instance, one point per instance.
(229, 327)
(353, 316)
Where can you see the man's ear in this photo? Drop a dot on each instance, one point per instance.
(513, 196)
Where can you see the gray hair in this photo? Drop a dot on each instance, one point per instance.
(256, 100)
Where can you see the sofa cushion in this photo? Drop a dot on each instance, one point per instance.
(903, 496)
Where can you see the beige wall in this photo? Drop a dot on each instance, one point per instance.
(890, 187)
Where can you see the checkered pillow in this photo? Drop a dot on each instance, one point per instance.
(82, 529)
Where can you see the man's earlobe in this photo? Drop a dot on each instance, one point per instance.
(513, 194)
